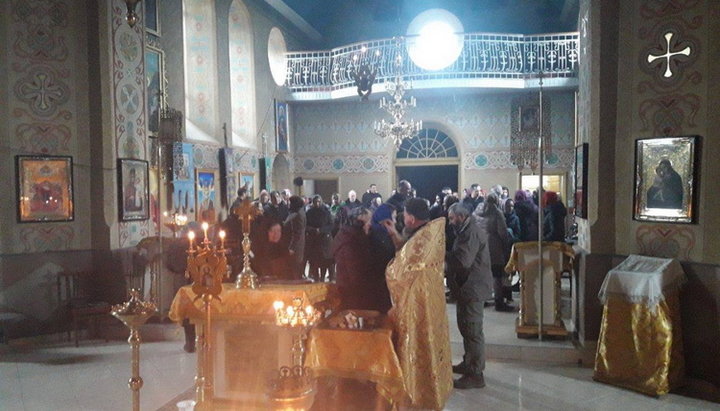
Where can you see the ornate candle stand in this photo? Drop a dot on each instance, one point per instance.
(247, 277)
(293, 386)
(134, 313)
(207, 266)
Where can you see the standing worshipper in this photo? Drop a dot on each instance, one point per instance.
(370, 195)
(493, 222)
(318, 240)
(352, 201)
(418, 315)
(276, 207)
(397, 200)
(554, 218)
(512, 221)
(351, 250)
(271, 256)
(470, 280)
(382, 250)
(527, 213)
(294, 226)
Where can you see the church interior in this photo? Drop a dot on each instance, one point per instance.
(128, 123)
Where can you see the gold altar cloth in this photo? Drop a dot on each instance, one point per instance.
(367, 355)
(641, 348)
(419, 317)
(256, 303)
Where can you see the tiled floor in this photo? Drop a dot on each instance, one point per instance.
(94, 377)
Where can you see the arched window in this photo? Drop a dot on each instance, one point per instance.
(242, 75)
(428, 143)
(201, 88)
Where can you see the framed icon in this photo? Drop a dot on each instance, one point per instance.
(666, 179)
(134, 184)
(281, 126)
(44, 188)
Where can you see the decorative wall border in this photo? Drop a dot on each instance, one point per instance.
(341, 164)
(561, 157)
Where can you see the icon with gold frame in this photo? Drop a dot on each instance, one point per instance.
(666, 179)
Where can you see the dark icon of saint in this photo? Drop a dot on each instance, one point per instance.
(132, 193)
(667, 188)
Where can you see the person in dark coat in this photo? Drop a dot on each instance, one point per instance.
(352, 200)
(493, 221)
(512, 221)
(527, 213)
(470, 280)
(352, 253)
(276, 207)
(294, 228)
(318, 240)
(369, 196)
(554, 219)
(382, 250)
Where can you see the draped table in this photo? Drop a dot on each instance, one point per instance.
(247, 346)
(365, 355)
(640, 344)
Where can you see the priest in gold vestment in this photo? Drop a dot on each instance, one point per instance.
(415, 280)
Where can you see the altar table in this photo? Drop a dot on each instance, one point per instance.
(366, 355)
(247, 345)
(640, 344)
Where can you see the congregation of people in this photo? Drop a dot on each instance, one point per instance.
(369, 246)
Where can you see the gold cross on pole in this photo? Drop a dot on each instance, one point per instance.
(247, 211)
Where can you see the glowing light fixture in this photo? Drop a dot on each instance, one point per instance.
(435, 39)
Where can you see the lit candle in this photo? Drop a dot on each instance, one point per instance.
(191, 238)
(205, 226)
(222, 238)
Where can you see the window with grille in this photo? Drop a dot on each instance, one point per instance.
(428, 143)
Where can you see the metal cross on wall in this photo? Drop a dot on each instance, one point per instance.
(668, 55)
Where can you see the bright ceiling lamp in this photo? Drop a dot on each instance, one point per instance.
(435, 39)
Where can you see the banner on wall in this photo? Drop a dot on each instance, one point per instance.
(228, 177)
(183, 201)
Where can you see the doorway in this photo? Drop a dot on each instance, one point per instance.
(429, 180)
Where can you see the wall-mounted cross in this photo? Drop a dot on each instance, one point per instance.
(668, 55)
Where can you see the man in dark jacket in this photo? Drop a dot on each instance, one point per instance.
(470, 281)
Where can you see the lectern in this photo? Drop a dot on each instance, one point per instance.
(540, 292)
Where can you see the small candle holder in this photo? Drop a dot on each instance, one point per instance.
(294, 386)
(176, 222)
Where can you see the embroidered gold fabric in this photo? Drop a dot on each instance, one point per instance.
(257, 303)
(419, 319)
(367, 355)
(641, 348)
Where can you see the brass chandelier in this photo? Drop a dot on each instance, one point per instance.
(398, 129)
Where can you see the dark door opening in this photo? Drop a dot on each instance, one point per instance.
(429, 180)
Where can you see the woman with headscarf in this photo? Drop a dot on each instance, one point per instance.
(554, 219)
(271, 256)
(527, 213)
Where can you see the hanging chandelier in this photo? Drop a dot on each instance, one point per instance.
(397, 129)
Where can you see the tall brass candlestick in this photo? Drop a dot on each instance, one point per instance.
(207, 265)
(247, 277)
(134, 313)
